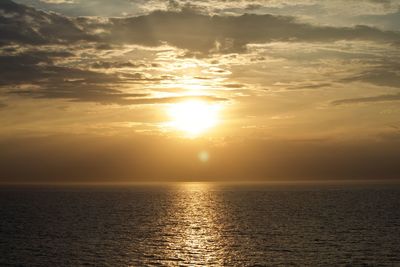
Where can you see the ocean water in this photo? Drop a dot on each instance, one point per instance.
(201, 225)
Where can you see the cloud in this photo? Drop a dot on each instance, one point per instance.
(78, 8)
(234, 85)
(79, 92)
(34, 74)
(26, 25)
(184, 29)
(315, 85)
(112, 65)
(39, 68)
(83, 75)
(384, 74)
(390, 21)
(58, 1)
(165, 100)
(370, 99)
(226, 34)
(43, 79)
(309, 8)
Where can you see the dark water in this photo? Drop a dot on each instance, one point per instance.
(198, 225)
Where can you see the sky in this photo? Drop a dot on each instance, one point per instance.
(134, 90)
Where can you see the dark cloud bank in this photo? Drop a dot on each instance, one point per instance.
(184, 29)
(196, 33)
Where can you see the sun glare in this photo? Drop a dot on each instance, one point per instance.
(193, 117)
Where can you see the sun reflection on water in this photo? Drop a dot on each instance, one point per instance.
(196, 237)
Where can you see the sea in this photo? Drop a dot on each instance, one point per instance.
(201, 224)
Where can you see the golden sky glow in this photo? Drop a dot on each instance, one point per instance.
(250, 83)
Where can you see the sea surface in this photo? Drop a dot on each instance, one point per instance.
(195, 224)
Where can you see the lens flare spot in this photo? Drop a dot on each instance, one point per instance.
(204, 156)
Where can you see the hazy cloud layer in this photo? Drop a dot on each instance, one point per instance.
(140, 158)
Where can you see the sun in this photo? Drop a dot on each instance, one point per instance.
(193, 117)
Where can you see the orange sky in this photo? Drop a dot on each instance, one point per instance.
(228, 90)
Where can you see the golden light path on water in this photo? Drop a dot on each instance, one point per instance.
(194, 235)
